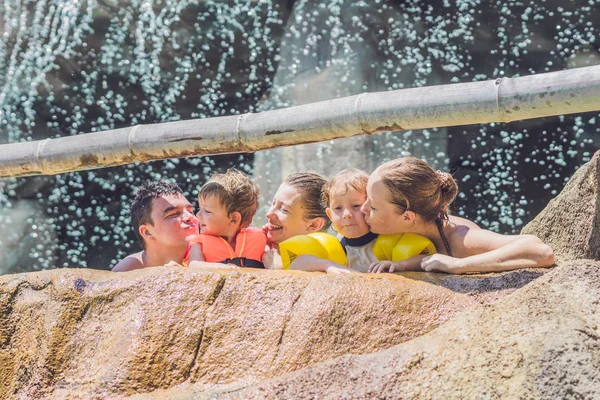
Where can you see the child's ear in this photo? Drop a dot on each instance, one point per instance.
(235, 218)
(328, 212)
(316, 224)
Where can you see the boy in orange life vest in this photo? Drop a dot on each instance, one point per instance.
(227, 204)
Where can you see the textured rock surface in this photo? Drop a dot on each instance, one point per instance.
(542, 342)
(570, 223)
(95, 334)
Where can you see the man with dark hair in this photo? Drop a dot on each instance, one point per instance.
(163, 221)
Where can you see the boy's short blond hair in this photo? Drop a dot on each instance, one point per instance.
(343, 181)
(236, 192)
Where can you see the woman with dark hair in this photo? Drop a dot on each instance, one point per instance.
(407, 196)
(297, 209)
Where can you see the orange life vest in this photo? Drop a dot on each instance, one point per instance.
(249, 248)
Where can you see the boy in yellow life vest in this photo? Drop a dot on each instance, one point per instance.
(227, 205)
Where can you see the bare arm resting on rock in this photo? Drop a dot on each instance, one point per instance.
(486, 251)
(306, 262)
(477, 250)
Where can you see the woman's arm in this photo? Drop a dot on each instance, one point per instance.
(306, 262)
(491, 252)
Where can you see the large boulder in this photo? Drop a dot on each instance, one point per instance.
(81, 333)
(570, 224)
(542, 342)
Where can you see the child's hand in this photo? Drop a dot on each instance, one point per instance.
(205, 264)
(338, 270)
(382, 266)
(272, 260)
(443, 263)
(267, 231)
(410, 264)
(219, 265)
(196, 253)
(173, 264)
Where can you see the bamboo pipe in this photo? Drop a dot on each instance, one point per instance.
(501, 100)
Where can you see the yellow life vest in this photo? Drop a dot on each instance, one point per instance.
(322, 245)
(402, 246)
(318, 244)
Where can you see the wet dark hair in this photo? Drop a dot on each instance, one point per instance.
(415, 186)
(141, 206)
(310, 186)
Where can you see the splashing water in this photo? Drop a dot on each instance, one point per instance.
(82, 66)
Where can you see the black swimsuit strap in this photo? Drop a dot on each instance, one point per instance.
(440, 226)
(243, 262)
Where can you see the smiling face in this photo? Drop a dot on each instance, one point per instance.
(286, 215)
(382, 216)
(173, 222)
(345, 213)
(213, 218)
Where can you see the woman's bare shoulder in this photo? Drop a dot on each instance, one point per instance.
(460, 233)
(462, 224)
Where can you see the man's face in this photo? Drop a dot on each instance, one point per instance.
(173, 224)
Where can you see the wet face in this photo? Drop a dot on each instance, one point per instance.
(173, 222)
(345, 213)
(286, 215)
(382, 216)
(213, 218)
